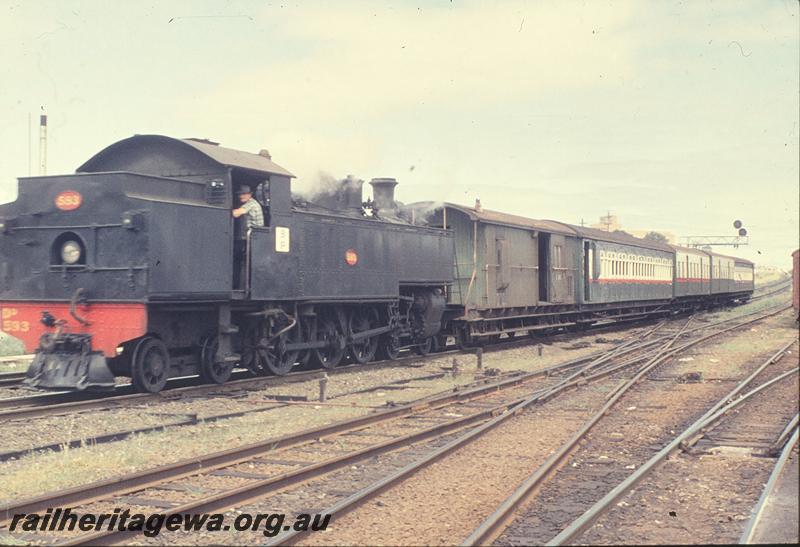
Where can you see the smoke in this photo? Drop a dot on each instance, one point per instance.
(332, 193)
(424, 212)
(326, 186)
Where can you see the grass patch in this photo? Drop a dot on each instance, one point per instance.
(10, 345)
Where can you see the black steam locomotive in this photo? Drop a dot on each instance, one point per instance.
(127, 268)
(130, 268)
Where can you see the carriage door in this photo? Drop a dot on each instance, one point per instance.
(559, 269)
(588, 273)
(544, 267)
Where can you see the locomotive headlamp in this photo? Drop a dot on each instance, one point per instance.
(70, 252)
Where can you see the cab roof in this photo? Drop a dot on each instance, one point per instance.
(168, 156)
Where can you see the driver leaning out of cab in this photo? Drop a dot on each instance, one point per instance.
(250, 208)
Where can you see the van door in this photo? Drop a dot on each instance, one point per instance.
(544, 268)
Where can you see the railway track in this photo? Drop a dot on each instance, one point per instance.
(181, 420)
(779, 290)
(787, 280)
(13, 379)
(59, 402)
(430, 418)
(664, 350)
(10, 379)
(259, 470)
(722, 410)
(91, 438)
(510, 524)
(55, 403)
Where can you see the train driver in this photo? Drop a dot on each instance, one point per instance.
(249, 207)
(248, 215)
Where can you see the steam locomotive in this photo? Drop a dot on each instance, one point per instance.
(127, 268)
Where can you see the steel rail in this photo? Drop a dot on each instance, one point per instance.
(194, 419)
(776, 446)
(41, 405)
(495, 523)
(723, 406)
(148, 477)
(771, 293)
(89, 400)
(78, 495)
(53, 403)
(254, 491)
(28, 407)
(787, 280)
(11, 378)
(358, 498)
(757, 513)
(101, 489)
(375, 489)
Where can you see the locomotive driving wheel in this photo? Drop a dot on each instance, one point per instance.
(262, 354)
(329, 331)
(285, 360)
(363, 351)
(211, 370)
(390, 346)
(150, 365)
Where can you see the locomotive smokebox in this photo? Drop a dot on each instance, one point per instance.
(383, 192)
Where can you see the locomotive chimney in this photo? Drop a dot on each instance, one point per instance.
(383, 192)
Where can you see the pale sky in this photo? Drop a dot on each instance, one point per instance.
(672, 115)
